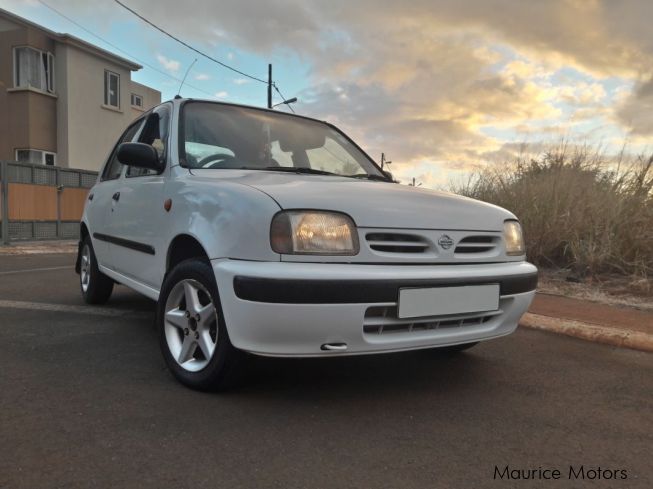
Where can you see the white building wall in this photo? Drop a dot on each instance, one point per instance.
(151, 97)
(87, 127)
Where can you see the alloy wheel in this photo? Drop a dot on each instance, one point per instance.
(191, 325)
(85, 268)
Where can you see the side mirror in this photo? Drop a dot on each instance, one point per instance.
(139, 155)
(389, 175)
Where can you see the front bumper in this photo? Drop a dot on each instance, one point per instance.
(294, 309)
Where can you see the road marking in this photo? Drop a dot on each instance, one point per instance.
(11, 272)
(94, 311)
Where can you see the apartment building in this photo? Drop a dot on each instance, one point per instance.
(63, 101)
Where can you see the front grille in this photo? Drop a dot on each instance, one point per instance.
(396, 243)
(476, 244)
(381, 320)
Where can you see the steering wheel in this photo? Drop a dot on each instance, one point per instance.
(216, 160)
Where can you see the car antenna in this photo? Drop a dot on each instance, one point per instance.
(184, 79)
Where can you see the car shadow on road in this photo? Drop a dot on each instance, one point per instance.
(346, 376)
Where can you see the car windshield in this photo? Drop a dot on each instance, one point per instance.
(218, 136)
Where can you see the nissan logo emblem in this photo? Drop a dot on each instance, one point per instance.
(445, 242)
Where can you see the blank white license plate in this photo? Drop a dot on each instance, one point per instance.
(445, 301)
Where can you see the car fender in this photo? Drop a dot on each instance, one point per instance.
(228, 219)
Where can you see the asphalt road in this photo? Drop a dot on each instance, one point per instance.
(86, 401)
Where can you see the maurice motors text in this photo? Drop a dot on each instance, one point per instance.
(579, 472)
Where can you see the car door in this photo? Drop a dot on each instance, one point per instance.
(137, 247)
(100, 197)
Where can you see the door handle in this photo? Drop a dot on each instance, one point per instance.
(90, 196)
(116, 196)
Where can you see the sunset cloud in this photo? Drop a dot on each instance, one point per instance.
(636, 110)
(442, 86)
(169, 64)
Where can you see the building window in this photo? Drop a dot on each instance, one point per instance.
(111, 89)
(36, 156)
(33, 69)
(137, 101)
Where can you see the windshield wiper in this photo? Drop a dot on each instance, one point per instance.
(299, 169)
(367, 176)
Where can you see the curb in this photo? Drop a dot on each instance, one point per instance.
(624, 338)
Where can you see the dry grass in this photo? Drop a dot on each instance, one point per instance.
(613, 289)
(580, 209)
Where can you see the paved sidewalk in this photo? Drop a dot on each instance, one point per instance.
(617, 326)
(39, 247)
(592, 312)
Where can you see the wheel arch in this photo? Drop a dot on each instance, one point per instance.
(183, 247)
(83, 233)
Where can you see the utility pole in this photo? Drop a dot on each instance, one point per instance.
(384, 161)
(270, 86)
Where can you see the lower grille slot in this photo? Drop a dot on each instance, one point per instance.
(380, 320)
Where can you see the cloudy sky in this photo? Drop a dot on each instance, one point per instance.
(440, 86)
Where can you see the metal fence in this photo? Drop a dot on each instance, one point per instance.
(41, 202)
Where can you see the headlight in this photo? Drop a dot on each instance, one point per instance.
(514, 239)
(313, 233)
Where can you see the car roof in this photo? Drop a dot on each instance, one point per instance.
(181, 100)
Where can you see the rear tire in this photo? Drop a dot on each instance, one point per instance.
(192, 332)
(96, 287)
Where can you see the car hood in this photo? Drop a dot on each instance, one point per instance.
(370, 203)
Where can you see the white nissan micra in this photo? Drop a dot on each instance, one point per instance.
(275, 234)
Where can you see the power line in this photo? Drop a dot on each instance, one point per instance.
(144, 63)
(188, 45)
(282, 97)
(201, 53)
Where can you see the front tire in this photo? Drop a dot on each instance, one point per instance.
(192, 333)
(96, 287)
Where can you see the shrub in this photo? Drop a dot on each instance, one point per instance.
(578, 207)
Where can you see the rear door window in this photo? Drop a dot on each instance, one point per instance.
(155, 133)
(113, 168)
